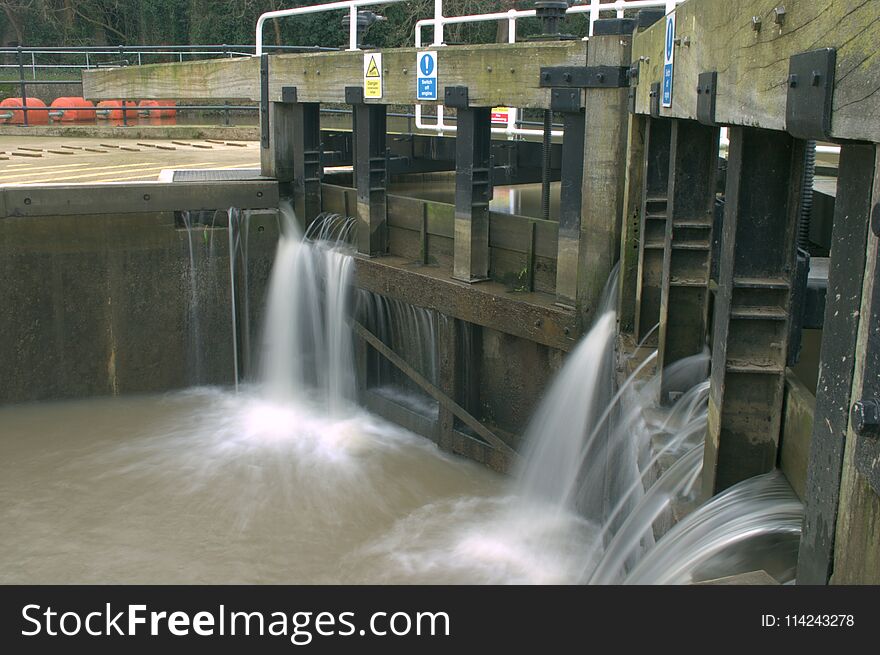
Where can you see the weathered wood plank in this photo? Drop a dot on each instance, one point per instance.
(532, 316)
(752, 65)
(495, 74)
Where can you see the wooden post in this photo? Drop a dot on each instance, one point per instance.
(856, 556)
(277, 157)
(655, 186)
(752, 306)
(849, 240)
(687, 241)
(370, 172)
(307, 173)
(586, 256)
(473, 187)
(631, 228)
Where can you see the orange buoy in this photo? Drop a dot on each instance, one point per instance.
(145, 107)
(10, 111)
(84, 109)
(112, 109)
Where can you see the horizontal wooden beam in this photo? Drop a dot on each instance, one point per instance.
(495, 74)
(532, 316)
(753, 64)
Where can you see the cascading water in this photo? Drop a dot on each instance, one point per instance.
(195, 333)
(307, 343)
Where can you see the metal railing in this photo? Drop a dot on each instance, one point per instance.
(89, 57)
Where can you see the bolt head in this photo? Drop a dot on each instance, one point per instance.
(865, 417)
(779, 15)
(756, 23)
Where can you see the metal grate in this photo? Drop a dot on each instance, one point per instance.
(203, 175)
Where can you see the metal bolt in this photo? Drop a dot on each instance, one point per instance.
(686, 41)
(677, 40)
(792, 80)
(27, 201)
(875, 220)
(865, 417)
(488, 69)
(566, 77)
(538, 323)
(601, 77)
(259, 194)
(146, 196)
(512, 70)
(756, 23)
(546, 77)
(779, 15)
(404, 71)
(566, 331)
(815, 77)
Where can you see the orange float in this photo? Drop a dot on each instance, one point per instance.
(145, 107)
(112, 109)
(10, 111)
(84, 110)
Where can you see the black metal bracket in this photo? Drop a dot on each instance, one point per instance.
(585, 77)
(614, 26)
(810, 90)
(264, 101)
(654, 95)
(566, 100)
(456, 96)
(707, 84)
(288, 94)
(354, 95)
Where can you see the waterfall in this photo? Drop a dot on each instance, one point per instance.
(307, 342)
(194, 352)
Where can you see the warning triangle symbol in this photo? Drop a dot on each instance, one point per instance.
(372, 69)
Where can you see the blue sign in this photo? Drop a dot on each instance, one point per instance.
(668, 59)
(426, 80)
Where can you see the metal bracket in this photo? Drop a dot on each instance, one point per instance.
(566, 100)
(614, 26)
(654, 95)
(585, 77)
(288, 94)
(707, 84)
(456, 96)
(810, 90)
(354, 95)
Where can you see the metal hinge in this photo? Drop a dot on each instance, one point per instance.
(706, 93)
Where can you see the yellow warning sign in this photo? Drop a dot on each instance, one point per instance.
(373, 75)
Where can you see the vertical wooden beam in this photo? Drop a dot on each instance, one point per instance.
(583, 265)
(447, 376)
(856, 556)
(370, 172)
(306, 138)
(631, 229)
(473, 191)
(571, 185)
(849, 239)
(277, 157)
(652, 223)
(687, 241)
(752, 306)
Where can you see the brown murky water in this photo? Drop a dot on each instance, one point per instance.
(205, 486)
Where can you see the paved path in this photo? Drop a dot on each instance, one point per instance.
(46, 160)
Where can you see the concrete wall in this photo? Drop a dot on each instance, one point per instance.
(100, 304)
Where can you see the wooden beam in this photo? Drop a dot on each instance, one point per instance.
(495, 74)
(752, 65)
(444, 400)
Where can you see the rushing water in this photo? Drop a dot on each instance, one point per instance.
(288, 480)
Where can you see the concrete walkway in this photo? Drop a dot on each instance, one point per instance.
(48, 160)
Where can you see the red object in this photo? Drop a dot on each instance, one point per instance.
(34, 115)
(145, 106)
(115, 109)
(85, 110)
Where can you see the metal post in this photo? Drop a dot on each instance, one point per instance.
(568, 102)
(545, 164)
(23, 87)
(687, 243)
(752, 306)
(33, 65)
(852, 213)
(370, 172)
(631, 228)
(473, 187)
(124, 115)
